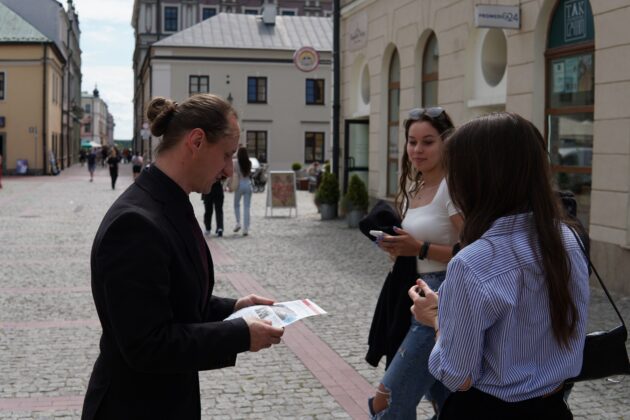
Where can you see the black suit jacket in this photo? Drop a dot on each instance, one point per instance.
(158, 328)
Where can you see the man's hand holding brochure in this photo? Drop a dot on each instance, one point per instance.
(280, 314)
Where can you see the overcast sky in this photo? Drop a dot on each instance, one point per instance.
(107, 49)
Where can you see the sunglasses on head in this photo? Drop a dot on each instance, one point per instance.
(417, 113)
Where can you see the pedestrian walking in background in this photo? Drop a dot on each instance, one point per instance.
(430, 229)
(161, 323)
(511, 316)
(136, 164)
(213, 200)
(104, 154)
(82, 156)
(91, 161)
(242, 172)
(113, 160)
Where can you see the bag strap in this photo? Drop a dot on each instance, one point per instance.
(590, 263)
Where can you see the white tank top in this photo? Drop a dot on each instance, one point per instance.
(432, 223)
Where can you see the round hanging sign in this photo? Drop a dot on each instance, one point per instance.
(306, 59)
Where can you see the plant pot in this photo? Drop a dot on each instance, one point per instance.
(328, 211)
(353, 218)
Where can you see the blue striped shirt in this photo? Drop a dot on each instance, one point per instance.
(494, 320)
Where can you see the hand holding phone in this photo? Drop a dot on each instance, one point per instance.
(378, 234)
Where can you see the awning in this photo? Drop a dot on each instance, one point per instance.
(89, 144)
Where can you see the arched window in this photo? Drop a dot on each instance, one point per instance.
(393, 112)
(570, 99)
(430, 60)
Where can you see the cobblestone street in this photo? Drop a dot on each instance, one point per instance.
(49, 329)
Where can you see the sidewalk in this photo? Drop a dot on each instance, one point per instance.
(49, 330)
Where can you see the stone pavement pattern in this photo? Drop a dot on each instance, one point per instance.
(49, 329)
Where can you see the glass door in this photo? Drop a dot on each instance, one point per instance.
(356, 148)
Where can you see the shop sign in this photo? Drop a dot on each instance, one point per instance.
(574, 20)
(492, 16)
(357, 31)
(306, 59)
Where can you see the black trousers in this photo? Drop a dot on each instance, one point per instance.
(113, 173)
(474, 404)
(213, 201)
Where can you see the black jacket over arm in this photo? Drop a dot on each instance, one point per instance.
(392, 318)
(158, 328)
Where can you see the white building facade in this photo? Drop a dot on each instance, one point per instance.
(154, 20)
(284, 112)
(563, 64)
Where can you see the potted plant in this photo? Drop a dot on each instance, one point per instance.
(327, 196)
(355, 201)
(301, 181)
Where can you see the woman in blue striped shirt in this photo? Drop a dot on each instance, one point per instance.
(512, 311)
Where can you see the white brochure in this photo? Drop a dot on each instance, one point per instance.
(280, 314)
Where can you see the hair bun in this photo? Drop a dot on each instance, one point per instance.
(159, 112)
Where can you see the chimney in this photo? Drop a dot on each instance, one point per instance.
(269, 14)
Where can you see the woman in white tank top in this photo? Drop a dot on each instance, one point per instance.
(430, 229)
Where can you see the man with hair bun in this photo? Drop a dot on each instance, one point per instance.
(161, 323)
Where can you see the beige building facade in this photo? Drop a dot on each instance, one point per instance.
(563, 64)
(284, 112)
(31, 77)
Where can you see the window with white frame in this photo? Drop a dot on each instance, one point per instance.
(288, 12)
(198, 84)
(171, 19)
(2, 85)
(208, 12)
(251, 11)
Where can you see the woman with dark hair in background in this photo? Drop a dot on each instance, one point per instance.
(242, 172)
(511, 314)
(113, 160)
(430, 229)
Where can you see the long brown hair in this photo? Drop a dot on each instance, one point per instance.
(244, 163)
(498, 165)
(444, 126)
(206, 111)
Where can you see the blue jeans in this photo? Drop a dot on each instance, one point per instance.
(244, 190)
(408, 378)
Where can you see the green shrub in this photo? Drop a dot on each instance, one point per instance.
(296, 166)
(357, 196)
(328, 191)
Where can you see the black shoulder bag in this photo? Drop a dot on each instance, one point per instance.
(605, 352)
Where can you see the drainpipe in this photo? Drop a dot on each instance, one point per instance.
(45, 114)
(150, 98)
(337, 90)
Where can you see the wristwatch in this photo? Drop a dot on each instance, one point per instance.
(424, 250)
